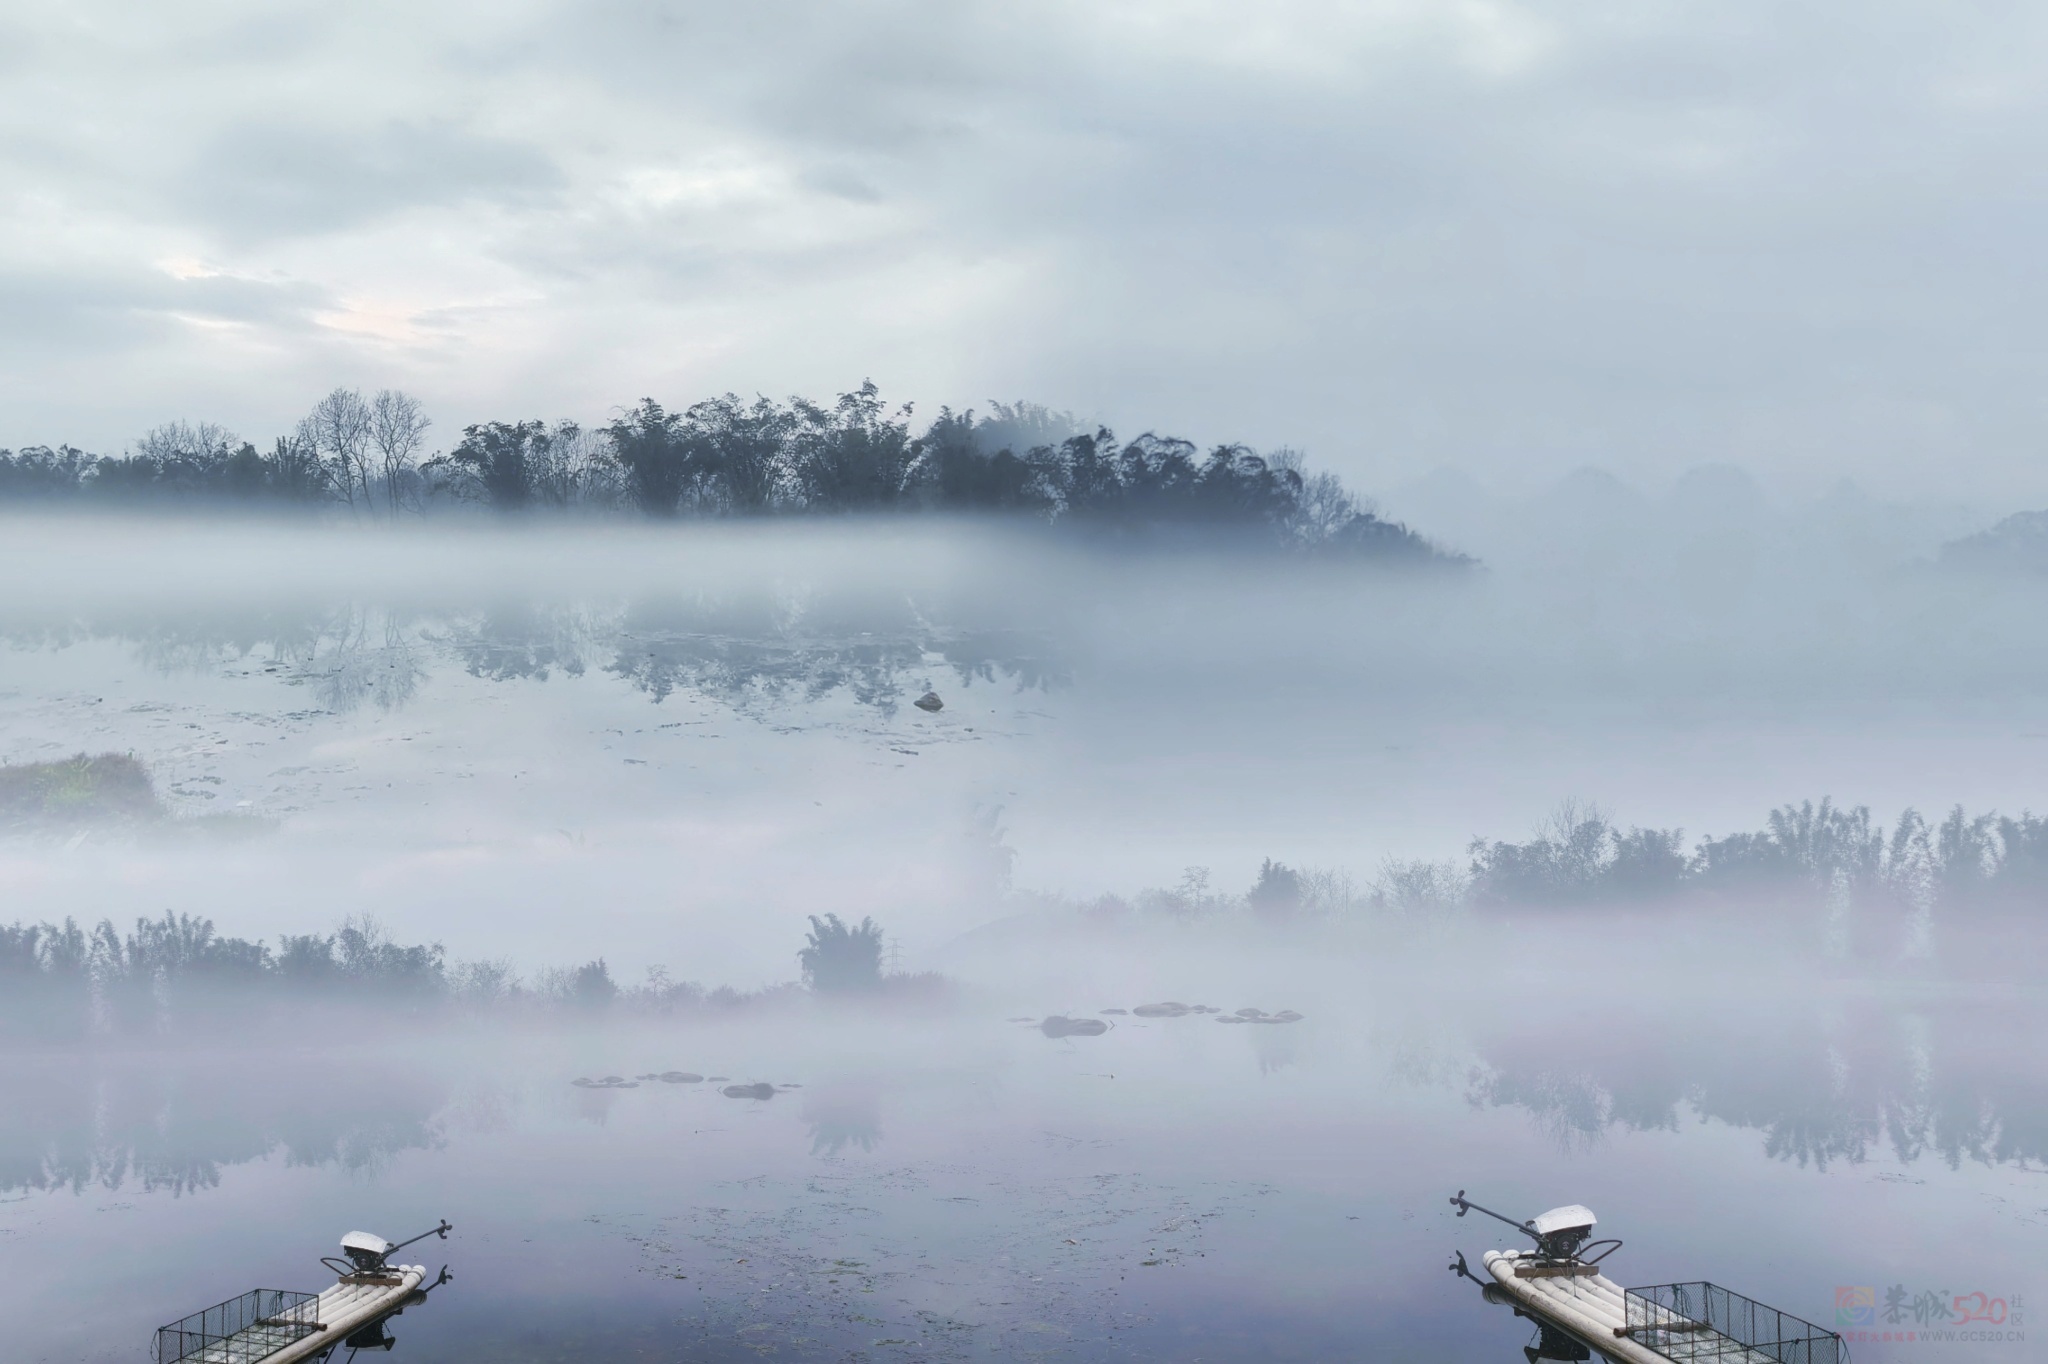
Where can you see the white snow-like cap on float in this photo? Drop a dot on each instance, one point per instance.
(371, 1243)
(1571, 1217)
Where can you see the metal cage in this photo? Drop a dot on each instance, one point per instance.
(241, 1330)
(1705, 1322)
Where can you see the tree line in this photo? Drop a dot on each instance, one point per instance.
(60, 982)
(727, 457)
(1864, 890)
(1831, 852)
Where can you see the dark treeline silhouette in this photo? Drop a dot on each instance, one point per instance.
(1817, 877)
(1966, 861)
(60, 983)
(730, 458)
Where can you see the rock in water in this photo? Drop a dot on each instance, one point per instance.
(1169, 1009)
(749, 1091)
(1060, 1026)
(929, 702)
(1116, 1011)
(681, 1077)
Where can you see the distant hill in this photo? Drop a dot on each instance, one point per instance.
(2018, 543)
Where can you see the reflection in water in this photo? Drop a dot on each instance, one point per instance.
(1823, 1087)
(756, 649)
(767, 648)
(364, 656)
(175, 1125)
(842, 1116)
(1275, 1047)
(528, 641)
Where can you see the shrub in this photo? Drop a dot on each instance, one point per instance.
(838, 959)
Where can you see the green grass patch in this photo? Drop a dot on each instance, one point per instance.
(94, 788)
(104, 789)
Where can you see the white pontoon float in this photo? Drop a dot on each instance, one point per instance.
(1580, 1311)
(280, 1326)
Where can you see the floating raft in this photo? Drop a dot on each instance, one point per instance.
(1693, 1323)
(279, 1326)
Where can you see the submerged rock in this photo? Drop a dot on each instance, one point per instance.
(929, 702)
(681, 1077)
(1206, 1009)
(1116, 1011)
(1260, 1016)
(749, 1091)
(1061, 1026)
(719, 1079)
(1168, 1009)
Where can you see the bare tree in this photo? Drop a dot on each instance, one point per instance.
(339, 426)
(575, 468)
(184, 442)
(398, 431)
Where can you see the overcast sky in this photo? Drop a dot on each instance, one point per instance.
(1510, 238)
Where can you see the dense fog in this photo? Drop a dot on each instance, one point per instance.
(398, 861)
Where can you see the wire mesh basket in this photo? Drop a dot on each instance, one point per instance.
(1706, 1323)
(241, 1330)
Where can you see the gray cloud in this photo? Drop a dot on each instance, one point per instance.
(255, 181)
(1510, 237)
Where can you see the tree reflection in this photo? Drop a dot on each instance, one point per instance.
(174, 1127)
(843, 1116)
(1823, 1088)
(746, 649)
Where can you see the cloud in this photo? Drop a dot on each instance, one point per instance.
(1508, 235)
(257, 181)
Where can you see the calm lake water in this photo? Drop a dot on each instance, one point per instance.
(957, 1187)
(669, 751)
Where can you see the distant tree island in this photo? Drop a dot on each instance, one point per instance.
(724, 457)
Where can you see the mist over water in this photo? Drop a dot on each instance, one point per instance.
(668, 748)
